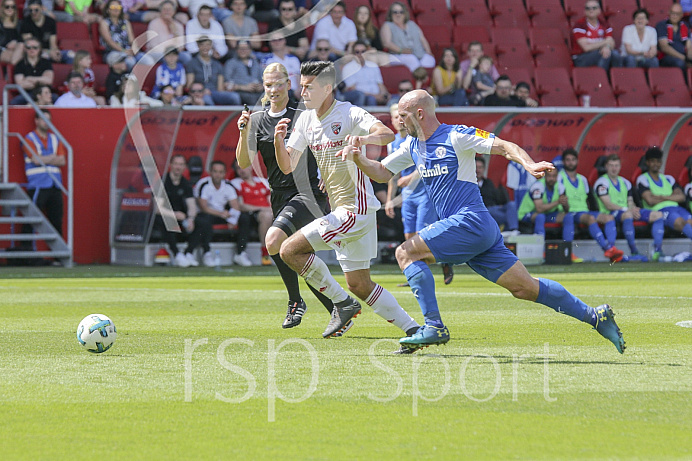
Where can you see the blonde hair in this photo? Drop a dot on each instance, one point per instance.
(270, 69)
(78, 56)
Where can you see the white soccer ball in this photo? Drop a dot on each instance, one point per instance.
(96, 333)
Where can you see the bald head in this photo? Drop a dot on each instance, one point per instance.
(417, 109)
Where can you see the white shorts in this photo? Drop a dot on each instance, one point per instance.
(352, 236)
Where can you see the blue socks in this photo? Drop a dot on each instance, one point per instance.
(568, 227)
(687, 230)
(657, 231)
(611, 232)
(555, 296)
(422, 285)
(628, 230)
(539, 224)
(597, 235)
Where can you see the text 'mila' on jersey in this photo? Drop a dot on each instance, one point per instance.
(347, 186)
(447, 166)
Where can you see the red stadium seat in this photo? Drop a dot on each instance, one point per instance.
(617, 23)
(473, 13)
(77, 30)
(623, 8)
(468, 34)
(509, 13)
(100, 73)
(630, 87)
(658, 9)
(507, 36)
(546, 36)
(553, 56)
(379, 6)
(594, 82)
(554, 88)
(146, 76)
(668, 87)
(438, 37)
(95, 38)
(547, 13)
(684, 177)
(60, 73)
(431, 13)
(392, 75)
(573, 8)
(516, 56)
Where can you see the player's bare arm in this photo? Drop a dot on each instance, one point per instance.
(514, 153)
(379, 135)
(372, 168)
(283, 153)
(242, 152)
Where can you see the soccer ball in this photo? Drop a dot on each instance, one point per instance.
(96, 333)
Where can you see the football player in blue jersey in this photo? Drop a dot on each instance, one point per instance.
(444, 155)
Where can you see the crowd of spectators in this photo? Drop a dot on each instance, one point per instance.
(250, 34)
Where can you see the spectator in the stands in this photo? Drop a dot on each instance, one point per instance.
(446, 81)
(503, 97)
(32, 70)
(48, 9)
(639, 43)
(44, 29)
(674, 40)
(496, 200)
(82, 65)
(243, 74)
(322, 52)
(116, 35)
(10, 40)
(204, 25)
(42, 95)
(130, 94)
(170, 72)
(403, 37)
(75, 97)
(482, 83)
(296, 39)
(80, 11)
(196, 96)
(168, 98)
(217, 8)
(592, 40)
(136, 11)
(205, 69)
(403, 87)
(263, 10)
(338, 29)
(522, 90)
(118, 65)
(363, 80)
(240, 26)
(475, 52)
(280, 54)
(366, 30)
(168, 32)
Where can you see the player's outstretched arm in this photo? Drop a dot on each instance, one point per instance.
(242, 151)
(515, 153)
(379, 135)
(372, 168)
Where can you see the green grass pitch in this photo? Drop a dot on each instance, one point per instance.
(201, 369)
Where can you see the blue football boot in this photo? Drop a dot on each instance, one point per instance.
(606, 326)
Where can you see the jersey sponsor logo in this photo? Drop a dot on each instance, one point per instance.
(326, 145)
(482, 133)
(437, 170)
(336, 127)
(440, 152)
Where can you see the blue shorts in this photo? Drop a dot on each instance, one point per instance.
(472, 238)
(577, 215)
(417, 213)
(672, 213)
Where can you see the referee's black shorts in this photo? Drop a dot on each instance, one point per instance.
(293, 210)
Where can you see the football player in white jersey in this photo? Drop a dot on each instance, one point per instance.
(351, 228)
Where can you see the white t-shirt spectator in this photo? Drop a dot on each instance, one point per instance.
(218, 199)
(338, 37)
(366, 78)
(193, 6)
(70, 100)
(630, 36)
(194, 30)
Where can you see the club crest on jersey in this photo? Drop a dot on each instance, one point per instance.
(437, 170)
(440, 152)
(336, 127)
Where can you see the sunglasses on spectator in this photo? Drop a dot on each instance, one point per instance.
(397, 11)
(32, 47)
(115, 7)
(171, 91)
(196, 91)
(288, 9)
(405, 90)
(588, 8)
(322, 49)
(504, 87)
(9, 7)
(34, 10)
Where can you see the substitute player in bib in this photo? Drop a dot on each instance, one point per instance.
(615, 197)
(296, 198)
(351, 228)
(466, 232)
